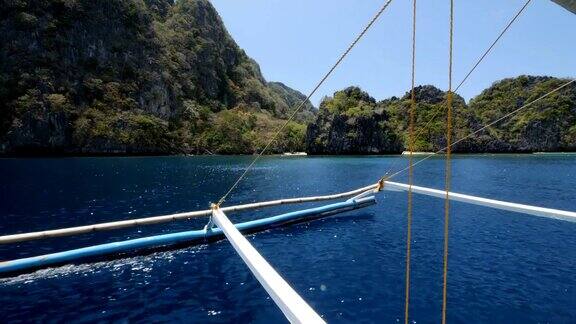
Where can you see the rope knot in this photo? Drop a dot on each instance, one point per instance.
(381, 184)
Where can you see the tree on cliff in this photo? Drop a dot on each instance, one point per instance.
(126, 76)
(548, 125)
(351, 122)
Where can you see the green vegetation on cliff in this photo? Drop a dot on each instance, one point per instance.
(132, 76)
(430, 118)
(164, 77)
(548, 125)
(351, 122)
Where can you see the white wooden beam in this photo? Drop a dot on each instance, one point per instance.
(292, 305)
(492, 203)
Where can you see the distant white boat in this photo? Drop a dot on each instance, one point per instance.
(419, 153)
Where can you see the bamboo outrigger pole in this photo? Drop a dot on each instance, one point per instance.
(170, 218)
(389, 185)
(188, 237)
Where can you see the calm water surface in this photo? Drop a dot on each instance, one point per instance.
(504, 267)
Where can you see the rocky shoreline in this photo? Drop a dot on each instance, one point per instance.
(73, 83)
(352, 122)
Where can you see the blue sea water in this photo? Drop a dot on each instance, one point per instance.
(504, 267)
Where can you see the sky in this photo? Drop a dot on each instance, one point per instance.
(297, 41)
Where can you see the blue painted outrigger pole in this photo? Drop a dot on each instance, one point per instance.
(196, 236)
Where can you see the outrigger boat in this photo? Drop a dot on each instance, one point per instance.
(207, 234)
(219, 226)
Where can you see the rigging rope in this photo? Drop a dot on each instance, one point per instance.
(293, 114)
(482, 57)
(410, 166)
(493, 44)
(486, 126)
(448, 165)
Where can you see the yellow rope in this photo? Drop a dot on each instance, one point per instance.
(448, 165)
(514, 112)
(293, 114)
(410, 166)
(480, 59)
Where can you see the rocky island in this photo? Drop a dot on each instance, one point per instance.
(352, 122)
(133, 77)
(165, 77)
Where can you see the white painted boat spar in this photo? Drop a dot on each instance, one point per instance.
(492, 203)
(388, 185)
(291, 304)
